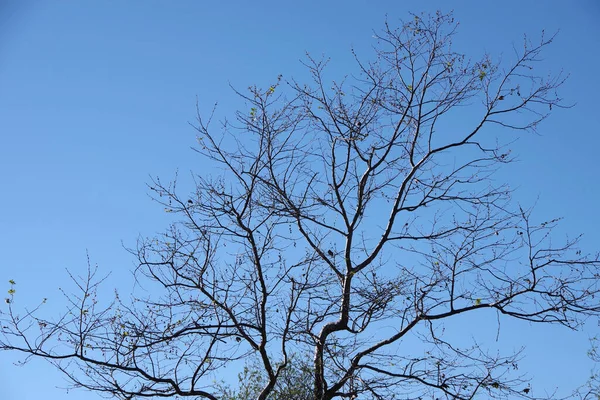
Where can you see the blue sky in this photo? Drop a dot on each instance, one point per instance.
(96, 96)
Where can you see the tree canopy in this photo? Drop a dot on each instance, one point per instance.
(343, 224)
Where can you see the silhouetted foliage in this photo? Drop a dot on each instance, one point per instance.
(295, 382)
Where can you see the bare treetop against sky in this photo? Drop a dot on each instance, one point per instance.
(377, 196)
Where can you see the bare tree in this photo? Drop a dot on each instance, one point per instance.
(348, 220)
(591, 390)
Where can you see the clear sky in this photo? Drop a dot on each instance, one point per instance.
(96, 96)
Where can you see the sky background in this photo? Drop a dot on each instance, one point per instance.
(96, 97)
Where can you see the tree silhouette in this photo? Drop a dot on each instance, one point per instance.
(349, 220)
